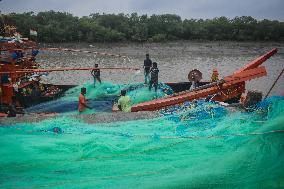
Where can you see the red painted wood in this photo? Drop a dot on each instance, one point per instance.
(233, 87)
(245, 75)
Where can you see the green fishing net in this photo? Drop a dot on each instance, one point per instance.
(138, 92)
(194, 145)
(101, 97)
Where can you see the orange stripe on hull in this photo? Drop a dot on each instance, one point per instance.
(234, 85)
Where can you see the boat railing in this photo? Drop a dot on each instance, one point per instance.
(216, 83)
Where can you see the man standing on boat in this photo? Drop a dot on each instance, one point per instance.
(82, 101)
(96, 73)
(215, 75)
(154, 76)
(147, 66)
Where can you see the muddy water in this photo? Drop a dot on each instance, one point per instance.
(174, 60)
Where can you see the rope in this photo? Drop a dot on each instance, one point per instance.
(217, 83)
(274, 83)
(223, 136)
(84, 51)
(193, 137)
(95, 178)
(63, 69)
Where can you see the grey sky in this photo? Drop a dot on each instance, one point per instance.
(260, 9)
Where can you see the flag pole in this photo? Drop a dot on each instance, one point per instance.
(33, 34)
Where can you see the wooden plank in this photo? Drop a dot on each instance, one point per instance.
(230, 93)
(245, 76)
(233, 86)
(161, 103)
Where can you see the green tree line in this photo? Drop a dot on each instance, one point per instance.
(64, 27)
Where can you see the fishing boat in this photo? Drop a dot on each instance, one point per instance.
(229, 89)
(17, 60)
(20, 77)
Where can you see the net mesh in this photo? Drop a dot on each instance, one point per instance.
(194, 145)
(101, 97)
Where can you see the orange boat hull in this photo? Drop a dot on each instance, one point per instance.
(232, 87)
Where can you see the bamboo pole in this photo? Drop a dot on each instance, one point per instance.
(274, 83)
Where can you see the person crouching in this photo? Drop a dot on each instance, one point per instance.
(124, 102)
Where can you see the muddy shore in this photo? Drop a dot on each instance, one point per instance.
(175, 60)
(91, 118)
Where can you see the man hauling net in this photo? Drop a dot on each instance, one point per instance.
(96, 73)
(154, 76)
(82, 101)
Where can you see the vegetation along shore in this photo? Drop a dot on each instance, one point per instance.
(64, 27)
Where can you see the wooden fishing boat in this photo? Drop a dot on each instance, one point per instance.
(229, 89)
(16, 54)
(20, 77)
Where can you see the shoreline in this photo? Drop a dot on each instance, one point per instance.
(79, 44)
(88, 118)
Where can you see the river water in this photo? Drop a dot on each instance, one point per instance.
(175, 60)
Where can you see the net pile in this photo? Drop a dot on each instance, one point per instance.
(101, 98)
(194, 145)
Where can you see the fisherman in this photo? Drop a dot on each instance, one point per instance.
(12, 110)
(16, 85)
(215, 75)
(16, 88)
(147, 66)
(96, 73)
(82, 101)
(124, 102)
(154, 76)
(1, 92)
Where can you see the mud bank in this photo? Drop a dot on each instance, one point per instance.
(90, 119)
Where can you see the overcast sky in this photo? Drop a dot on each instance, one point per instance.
(259, 9)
